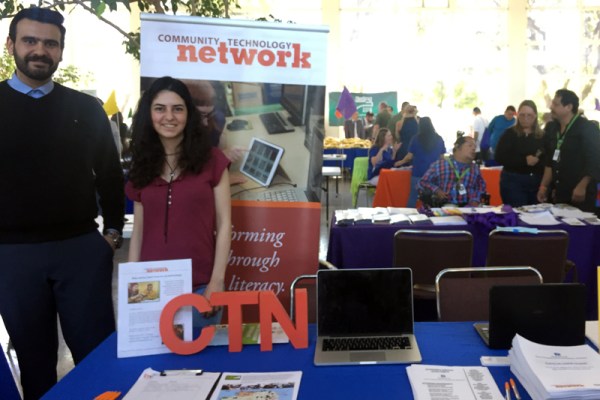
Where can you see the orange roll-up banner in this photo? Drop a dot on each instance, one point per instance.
(271, 244)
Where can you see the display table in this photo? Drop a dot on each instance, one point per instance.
(453, 344)
(372, 246)
(348, 163)
(393, 187)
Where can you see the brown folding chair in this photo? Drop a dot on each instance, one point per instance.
(545, 251)
(308, 282)
(427, 252)
(463, 294)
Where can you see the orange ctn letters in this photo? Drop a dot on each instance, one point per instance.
(269, 307)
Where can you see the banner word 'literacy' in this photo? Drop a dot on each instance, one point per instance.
(269, 307)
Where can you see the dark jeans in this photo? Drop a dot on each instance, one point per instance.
(519, 189)
(71, 278)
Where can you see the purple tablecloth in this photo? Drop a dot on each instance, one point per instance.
(372, 246)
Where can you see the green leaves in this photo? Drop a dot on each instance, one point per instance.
(103, 8)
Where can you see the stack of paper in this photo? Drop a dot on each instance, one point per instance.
(556, 372)
(448, 220)
(432, 382)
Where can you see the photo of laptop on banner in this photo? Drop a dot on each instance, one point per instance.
(365, 316)
(550, 314)
(261, 164)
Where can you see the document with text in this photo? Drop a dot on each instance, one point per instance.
(556, 372)
(172, 385)
(144, 289)
(438, 382)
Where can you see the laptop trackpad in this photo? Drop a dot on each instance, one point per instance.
(367, 356)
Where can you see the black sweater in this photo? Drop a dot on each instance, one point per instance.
(56, 152)
(513, 149)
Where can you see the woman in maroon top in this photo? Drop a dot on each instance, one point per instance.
(180, 187)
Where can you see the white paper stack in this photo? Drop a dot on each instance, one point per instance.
(435, 382)
(556, 372)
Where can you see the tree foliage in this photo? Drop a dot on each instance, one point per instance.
(102, 8)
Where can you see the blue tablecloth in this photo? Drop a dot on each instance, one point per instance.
(364, 246)
(351, 154)
(452, 344)
(8, 388)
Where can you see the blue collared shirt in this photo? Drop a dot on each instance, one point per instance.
(15, 83)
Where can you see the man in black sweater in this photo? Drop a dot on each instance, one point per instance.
(56, 154)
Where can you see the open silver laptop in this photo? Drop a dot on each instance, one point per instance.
(550, 314)
(261, 164)
(365, 316)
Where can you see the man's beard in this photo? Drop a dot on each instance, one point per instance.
(35, 73)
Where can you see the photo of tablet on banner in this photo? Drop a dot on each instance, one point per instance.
(261, 161)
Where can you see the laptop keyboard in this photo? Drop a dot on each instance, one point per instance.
(372, 343)
(280, 195)
(274, 124)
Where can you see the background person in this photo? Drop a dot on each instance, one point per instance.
(381, 155)
(523, 151)
(575, 168)
(478, 129)
(180, 187)
(57, 152)
(498, 125)
(408, 128)
(455, 179)
(424, 149)
(354, 128)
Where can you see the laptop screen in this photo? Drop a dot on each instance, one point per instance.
(355, 302)
(261, 161)
(550, 314)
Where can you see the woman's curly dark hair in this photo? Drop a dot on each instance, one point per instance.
(148, 155)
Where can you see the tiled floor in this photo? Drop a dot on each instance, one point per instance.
(341, 200)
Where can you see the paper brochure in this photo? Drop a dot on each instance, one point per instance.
(144, 289)
(433, 382)
(266, 385)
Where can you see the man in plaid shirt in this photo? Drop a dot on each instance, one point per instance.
(455, 179)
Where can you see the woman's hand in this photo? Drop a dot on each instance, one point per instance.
(211, 288)
(532, 160)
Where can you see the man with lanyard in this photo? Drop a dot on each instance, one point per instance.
(455, 179)
(575, 168)
(57, 155)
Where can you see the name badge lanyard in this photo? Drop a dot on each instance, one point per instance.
(561, 138)
(459, 185)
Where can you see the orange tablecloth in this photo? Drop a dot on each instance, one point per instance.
(393, 187)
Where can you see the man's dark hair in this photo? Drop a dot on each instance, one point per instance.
(370, 114)
(511, 108)
(38, 14)
(477, 110)
(568, 97)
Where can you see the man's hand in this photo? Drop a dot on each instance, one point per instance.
(440, 194)
(542, 194)
(111, 242)
(532, 160)
(578, 195)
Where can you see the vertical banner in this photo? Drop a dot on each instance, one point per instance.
(260, 89)
(271, 244)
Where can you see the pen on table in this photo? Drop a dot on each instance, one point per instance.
(514, 387)
(507, 390)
